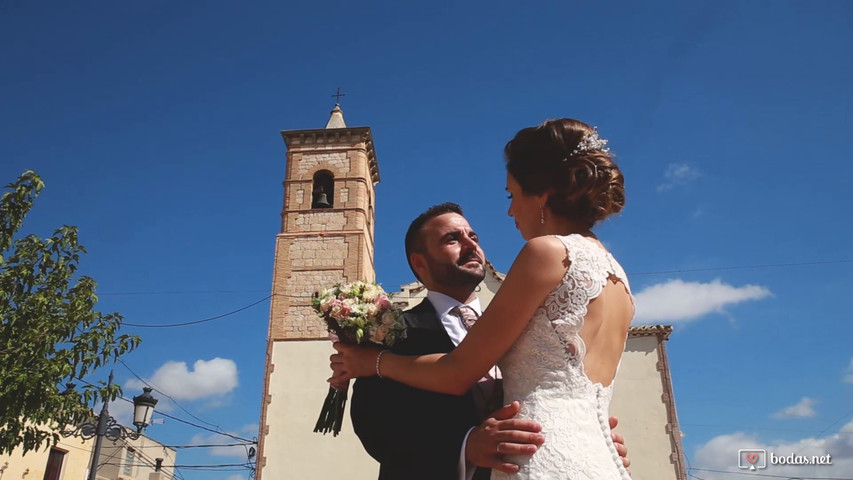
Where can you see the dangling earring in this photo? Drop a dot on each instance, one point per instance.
(541, 215)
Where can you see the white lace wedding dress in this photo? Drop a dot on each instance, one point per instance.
(544, 371)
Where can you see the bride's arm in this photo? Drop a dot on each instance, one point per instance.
(539, 267)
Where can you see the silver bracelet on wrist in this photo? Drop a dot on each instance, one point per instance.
(377, 363)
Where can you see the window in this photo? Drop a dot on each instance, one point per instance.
(128, 461)
(323, 190)
(54, 464)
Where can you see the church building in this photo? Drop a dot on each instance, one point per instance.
(327, 236)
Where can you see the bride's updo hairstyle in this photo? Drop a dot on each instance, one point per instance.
(567, 158)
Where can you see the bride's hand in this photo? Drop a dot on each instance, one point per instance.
(352, 361)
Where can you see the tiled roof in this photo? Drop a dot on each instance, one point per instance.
(647, 330)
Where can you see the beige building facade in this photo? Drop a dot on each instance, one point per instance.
(68, 459)
(71, 458)
(643, 400)
(140, 459)
(327, 237)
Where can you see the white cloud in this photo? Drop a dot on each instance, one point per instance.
(848, 377)
(207, 378)
(803, 409)
(721, 454)
(677, 174)
(119, 409)
(235, 451)
(677, 300)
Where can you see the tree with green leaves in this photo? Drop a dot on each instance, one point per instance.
(51, 334)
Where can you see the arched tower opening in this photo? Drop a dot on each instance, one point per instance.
(323, 191)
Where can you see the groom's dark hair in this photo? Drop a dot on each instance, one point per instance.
(414, 239)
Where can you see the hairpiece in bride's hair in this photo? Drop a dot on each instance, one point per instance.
(591, 142)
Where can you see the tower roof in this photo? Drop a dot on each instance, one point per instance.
(336, 119)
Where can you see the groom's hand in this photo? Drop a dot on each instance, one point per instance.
(502, 434)
(619, 442)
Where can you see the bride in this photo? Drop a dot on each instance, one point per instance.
(557, 326)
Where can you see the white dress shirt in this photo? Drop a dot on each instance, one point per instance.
(452, 324)
(456, 331)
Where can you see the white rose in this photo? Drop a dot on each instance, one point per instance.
(326, 304)
(346, 290)
(371, 293)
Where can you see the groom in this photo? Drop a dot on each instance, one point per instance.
(415, 434)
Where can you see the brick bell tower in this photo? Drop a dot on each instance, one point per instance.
(326, 236)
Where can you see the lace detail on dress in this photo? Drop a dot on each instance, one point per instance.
(584, 281)
(544, 371)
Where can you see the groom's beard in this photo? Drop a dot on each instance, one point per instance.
(460, 274)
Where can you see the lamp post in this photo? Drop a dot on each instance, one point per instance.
(106, 426)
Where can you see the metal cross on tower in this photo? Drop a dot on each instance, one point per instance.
(338, 95)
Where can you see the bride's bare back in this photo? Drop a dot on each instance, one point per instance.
(604, 330)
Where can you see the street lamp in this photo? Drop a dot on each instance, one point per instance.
(143, 409)
(106, 426)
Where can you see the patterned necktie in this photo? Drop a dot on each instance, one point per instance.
(488, 393)
(466, 314)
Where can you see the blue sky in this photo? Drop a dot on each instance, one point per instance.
(155, 127)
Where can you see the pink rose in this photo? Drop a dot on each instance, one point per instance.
(383, 303)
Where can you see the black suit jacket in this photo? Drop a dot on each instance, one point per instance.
(414, 434)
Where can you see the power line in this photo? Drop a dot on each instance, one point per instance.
(169, 325)
(741, 267)
(177, 472)
(110, 457)
(212, 445)
(654, 272)
(840, 419)
(148, 461)
(235, 437)
(712, 425)
(179, 292)
(136, 448)
(180, 466)
(166, 395)
(153, 462)
(221, 465)
(235, 466)
(177, 468)
(205, 445)
(766, 475)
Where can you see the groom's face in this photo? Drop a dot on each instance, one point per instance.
(452, 256)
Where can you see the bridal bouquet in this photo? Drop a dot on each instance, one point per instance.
(356, 313)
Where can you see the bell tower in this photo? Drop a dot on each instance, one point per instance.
(327, 226)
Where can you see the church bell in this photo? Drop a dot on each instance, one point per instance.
(320, 200)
